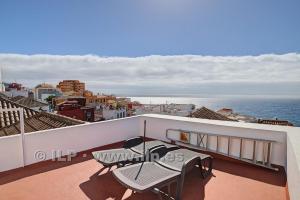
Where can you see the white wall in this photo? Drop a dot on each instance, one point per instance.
(11, 153)
(293, 163)
(87, 136)
(286, 151)
(65, 140)
(113, 114)
(158, 124)
(79, 138)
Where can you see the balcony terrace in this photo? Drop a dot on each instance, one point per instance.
(82, 177)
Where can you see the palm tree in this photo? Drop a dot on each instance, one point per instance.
(49, 100)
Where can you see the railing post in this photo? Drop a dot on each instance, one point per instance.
(254, 152)
(22, 137)
(241, 148)
(228, 147)
(269, 153)
(217, 144)
(206, 146)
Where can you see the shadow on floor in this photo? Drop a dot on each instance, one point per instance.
(252, 172)
(45, 166)
(102, 185)
(27, 171)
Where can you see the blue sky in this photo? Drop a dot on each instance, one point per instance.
(248, 47)
(150, 27)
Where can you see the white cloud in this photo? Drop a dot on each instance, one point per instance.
(157, 74)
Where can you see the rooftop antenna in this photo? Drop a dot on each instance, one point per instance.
(2, 87)
(143, 152)
(145, 123)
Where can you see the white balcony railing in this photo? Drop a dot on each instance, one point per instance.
(39, 146)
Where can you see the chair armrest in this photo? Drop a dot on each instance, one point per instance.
(190, 163)
(187, 164)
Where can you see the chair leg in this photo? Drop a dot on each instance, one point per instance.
(179, 187)
(204, 172)
(160, 197)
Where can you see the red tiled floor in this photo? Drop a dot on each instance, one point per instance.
(79, 179)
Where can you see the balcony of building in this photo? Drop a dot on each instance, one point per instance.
(43, 165)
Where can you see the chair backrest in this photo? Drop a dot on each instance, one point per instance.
(132, 142)
(157, 152)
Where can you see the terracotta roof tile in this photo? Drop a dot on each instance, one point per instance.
(206, 113)
(38, 122)
(10, 117)
(28, 102)
(275, 122)
(33, 120)
(16, 98)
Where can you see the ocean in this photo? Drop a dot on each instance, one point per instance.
(285, 108)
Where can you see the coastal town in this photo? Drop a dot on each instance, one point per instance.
(70, 103)
(149, 100)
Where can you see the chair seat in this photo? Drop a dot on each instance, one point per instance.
(144, 176)
(114, 156)
(175, 159)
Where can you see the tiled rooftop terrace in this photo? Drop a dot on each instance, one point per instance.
(85, 178)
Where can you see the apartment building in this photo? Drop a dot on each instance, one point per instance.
(99, 99)
(15, 89)
(44, 90)
(75, 110)
(71, 87)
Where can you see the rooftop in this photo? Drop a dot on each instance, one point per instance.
(85, 178)
(9, 118)
(275, 122)
(16, 98)
(28, 102)
(33, 120)
(38, 122)
(44, 85)
(251, 161)
(206, 113)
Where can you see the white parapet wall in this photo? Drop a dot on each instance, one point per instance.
(293, 163)
(11, 153)
(285, 153)
(158, 124)
(78, 138)
(45, 145)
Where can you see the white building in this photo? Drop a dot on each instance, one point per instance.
(166, 109)
(228, 112)
(15, 89)
(108, 113)
(43, 91)
(15, 93)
